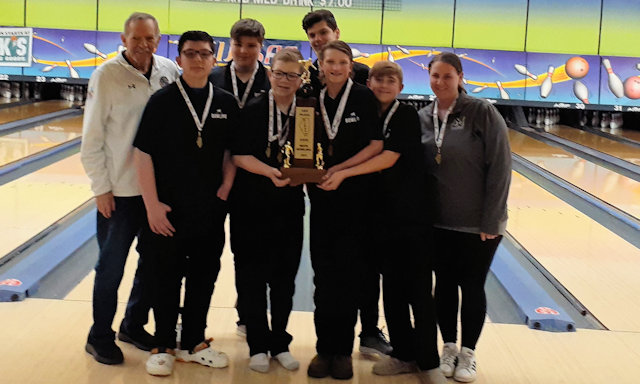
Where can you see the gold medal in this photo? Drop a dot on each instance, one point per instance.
(438, 157)
(268, 151)
(199, 140)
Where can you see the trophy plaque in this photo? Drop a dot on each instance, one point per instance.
(303, 155)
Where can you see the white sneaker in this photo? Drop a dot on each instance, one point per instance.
(448, 359)
(160, 363)
(466, 368)
(287, 360)
(241, 330)
(259, 362)
(204, 354)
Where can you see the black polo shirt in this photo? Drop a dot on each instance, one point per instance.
(221, 77)
(360, 75)
(187, 177)
(401, 189)
(359, 125)
(257, 192)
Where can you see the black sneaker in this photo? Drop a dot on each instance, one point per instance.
(320, 366)
(105, 352)
(141, 338)
(375, 344)
(342, 367)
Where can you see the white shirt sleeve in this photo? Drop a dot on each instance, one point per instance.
(92, 152)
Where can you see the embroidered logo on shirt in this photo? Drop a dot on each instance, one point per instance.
(131, 86)
(457, 124)
(218, 115)
(352, 118)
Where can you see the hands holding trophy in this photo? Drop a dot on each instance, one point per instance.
(303, 162)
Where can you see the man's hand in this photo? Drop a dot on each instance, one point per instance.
(158, 221)
(106, 204)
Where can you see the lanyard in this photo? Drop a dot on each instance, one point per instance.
(205, 112)
(281, 133)
(385, 132)
(332, 128)
(234, 83)
(439, 130)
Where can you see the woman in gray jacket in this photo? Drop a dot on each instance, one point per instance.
(468, 158)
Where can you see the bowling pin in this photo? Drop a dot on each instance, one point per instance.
(615, 84)
(638, 66)
(539, 117)
(92, 49)
(581, 91)
(547, 84)
(121, 48)
(523, 71)
(479, 89)
(503, 93)
(389, 55)
(606, 119)
(72, 71)
(464, 81)
(403, 50)
(531, 116)
(357, 53)
(547, 117)
(48, 68)
(595, 120)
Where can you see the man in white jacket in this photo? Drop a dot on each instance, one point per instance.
(118, 92)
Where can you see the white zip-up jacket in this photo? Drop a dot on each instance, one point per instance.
(116, 98)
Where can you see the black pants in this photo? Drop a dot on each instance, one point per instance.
(115, 236)
(369, 292)
(462, 260)
(407, 285)
(267, 248)
(337, 238)
(197, 258)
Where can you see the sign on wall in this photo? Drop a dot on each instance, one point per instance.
(15, 47)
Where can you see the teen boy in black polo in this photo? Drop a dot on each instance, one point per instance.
(349, 135)
(321, 28)
(246, 78)
(268, 215)
(180, 147)
(402, 218)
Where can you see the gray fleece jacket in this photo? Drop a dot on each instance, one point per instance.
(472, 180)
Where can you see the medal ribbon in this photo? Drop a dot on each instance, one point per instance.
(234, 83)
(385, 132)
(205, 112)
(437, 129)
(332, 128)
(281, 133)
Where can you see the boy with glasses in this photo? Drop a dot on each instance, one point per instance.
(269, 213)
(179, 158)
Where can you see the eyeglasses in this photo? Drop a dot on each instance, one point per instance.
(288, 75)
(192, 53)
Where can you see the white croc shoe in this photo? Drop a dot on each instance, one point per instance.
(160, 363)
(204, 354)
(259, 362)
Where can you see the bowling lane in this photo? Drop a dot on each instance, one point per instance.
(627, 133)
(26, 111)
(33, 202)
(599, 143)
(599, 268)
(27, 142)
(611, 187)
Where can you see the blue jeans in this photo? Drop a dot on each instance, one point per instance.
(115, 236)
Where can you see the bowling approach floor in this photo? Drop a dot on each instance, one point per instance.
(47, 335)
